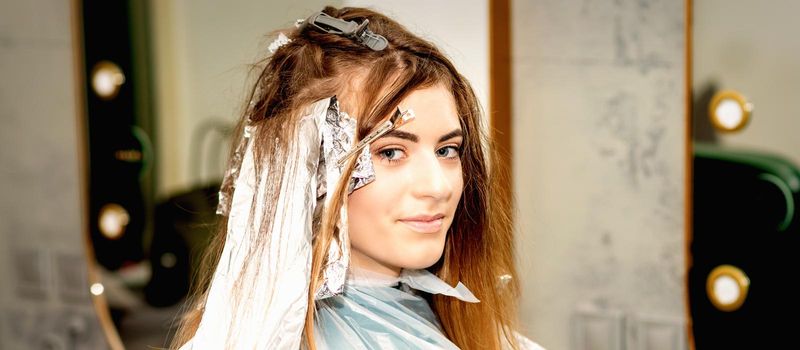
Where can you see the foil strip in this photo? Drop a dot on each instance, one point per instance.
(337, 131)
(338, 136)
(232, 173)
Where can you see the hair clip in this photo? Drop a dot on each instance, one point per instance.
(397, 120)
(350, 29)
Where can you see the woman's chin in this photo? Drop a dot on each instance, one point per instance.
(423, 260)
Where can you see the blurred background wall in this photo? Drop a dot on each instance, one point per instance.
(749, 47)
(203, 51)
(599, 171)
(44, 293)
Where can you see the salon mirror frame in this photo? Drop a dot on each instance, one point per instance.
(95, 287)
(688, 189)
(742, 253)
(500, 103)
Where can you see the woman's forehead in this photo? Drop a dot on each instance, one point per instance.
(433, 107)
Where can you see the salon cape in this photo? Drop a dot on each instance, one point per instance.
(274, 315)
(384, 312)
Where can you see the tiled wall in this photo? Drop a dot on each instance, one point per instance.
(599, 158)
(44, 298)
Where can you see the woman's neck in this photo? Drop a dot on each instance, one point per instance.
(359, 261)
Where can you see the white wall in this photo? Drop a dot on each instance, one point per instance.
(202, 52)
(599, 165)
(459, 28)
(44, 294)
(752, 47)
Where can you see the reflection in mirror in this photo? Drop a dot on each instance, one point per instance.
(144, 242)
(727, 287)
(598, 161)
(159, 144)
(106, 79)
(121, 164)
(729, 111)
(746, 183)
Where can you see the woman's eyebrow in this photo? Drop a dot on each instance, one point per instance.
(450, 135)
(414, 138)
(402, 135)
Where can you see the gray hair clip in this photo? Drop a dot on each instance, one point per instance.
(350, 29)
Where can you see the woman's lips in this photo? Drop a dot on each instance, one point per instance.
(424, 224)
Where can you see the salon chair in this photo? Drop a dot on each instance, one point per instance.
(185, 224)
(744, 250)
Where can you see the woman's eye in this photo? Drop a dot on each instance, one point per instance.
(449, 152)
(391, 154)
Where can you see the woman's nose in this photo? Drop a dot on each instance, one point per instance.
(432, 179)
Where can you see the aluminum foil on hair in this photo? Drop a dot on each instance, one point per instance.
(258, 296)
(232, 173)
(228, 184)
(338, 137)
(338, 131)
(363, 173)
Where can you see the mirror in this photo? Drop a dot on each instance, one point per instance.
(598, 152)
(169, 89)
(746, 166)
(128, 288)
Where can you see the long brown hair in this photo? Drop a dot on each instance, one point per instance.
(479, 245)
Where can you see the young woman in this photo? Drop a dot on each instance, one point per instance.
(359, 194)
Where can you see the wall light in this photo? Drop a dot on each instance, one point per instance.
(727, 287)
(107, 79)
(113, 220)
(729, 111)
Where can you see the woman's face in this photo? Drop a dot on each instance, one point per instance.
(401, 219)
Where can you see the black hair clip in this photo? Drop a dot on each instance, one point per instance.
(350, 29)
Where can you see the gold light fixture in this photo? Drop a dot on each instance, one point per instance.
(107, 79)
(727, 287)
(729, 111)
(113, 220)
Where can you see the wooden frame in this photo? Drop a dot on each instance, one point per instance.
(500, 88)
(689, 167)
(99, 301)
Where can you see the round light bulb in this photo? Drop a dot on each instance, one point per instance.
(107, 79)
(113, 220)
(96, 289)
(729, 111)
(726, 290)
(727, 287)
